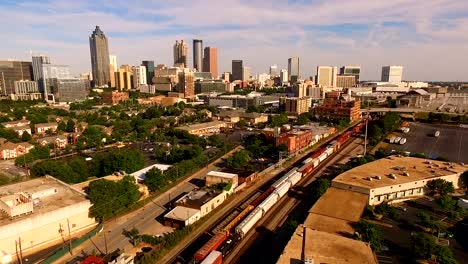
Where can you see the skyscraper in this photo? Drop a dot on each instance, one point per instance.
(274, 70)
(351, 70)
(237, 67)
(99, 57)
(284, 76)
(210, 61)
(293, 68)
(38, 62)
(112, 70)
(326, 76)
(149, 71)
(198, 54)
(11, 71)
(186, 84)
(246, 73)
(181, 53)
(139, 76)
(392, 74)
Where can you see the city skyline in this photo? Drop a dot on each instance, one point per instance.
(411, 34)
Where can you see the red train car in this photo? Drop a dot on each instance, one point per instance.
(211, 245)
(344, 137)
(317, 153)
(306, 168)
(359, 127)
(262, 197)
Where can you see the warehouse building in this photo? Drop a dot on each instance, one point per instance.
(397, 178)
(204, 129)
(39, 213)
(216, 177)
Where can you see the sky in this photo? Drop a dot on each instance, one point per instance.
(428, 37)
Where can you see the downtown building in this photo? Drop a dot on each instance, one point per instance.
(180, 50)
(326, 76)
(237, 70)
(100, 64)
(210, 61)
(293, 69)
(197, 55)
(113, 68)
(351, 71)
(392, 74)
(12, 71)
(149, 65)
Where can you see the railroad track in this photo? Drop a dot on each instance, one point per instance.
(277, 216)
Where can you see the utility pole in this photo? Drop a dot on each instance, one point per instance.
(69, 237)
(105, 242)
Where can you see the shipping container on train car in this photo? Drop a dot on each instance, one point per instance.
(211, 245)
(307, 167)
(284, 178)
(359, 127)
(317, 153)
(239, 218)
(244, 227)
(344, 137)
(295, 178)
(268, 202)
(329, 152)
(322, 157)
(262, 197)
(215, 257)
(283, 189)
(308, 160)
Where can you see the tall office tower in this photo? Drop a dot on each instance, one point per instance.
(139, 76)
(392, 74)
(112, 70)
(246, 73)
(53, 71)
(181, 53)
(274, 70)
(210, 61)
(293, 68)
(351, 70)
(226, 76)
(284, 76)
(149, 71)
(99, 57)
(326, 76)
(38, 62)
(198, 54)
(186, 84)
(11, 71)
(237, 68)
(123, 77)
(299, 89)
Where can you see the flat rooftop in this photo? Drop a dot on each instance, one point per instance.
(181, 213)
(417, 169)
(222, 174)
(197, 198)
(63, 196)
(323, 247)
(203, 125)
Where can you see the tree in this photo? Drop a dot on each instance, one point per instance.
(279, 120)
(242, 123)
(132, 235)
(319, 187)
(440, 187)
(444, 255)
(447, 202)
(70, 126)
(154, 179)
(302, 119)
(62, 126)
(370, 233)
(238, 160)
(25, 136)
(424, 245)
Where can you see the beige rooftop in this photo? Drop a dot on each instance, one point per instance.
(397, 170)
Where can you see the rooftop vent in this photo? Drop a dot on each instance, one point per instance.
(405, 173)
(433, 171)
(369, 178)
(377, 177)
(393, 176)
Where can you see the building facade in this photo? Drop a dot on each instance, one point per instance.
(210, 61)
(38, 72)
(274, 70)
(246, 71)
(392, 74)
(100, 65)
(295, 105)
(149, 71)
(351, 70)
(181, 54)
(11, 71)
(112, 69)
(326, 76)
(139, 76)
(237, 70)
(345, 81)
(124, 78)
(186, 84)
(197, 55)
(293, 69)
(337, 109)
(284, 77)
(68, 90)
(114, 97)
(208, 86)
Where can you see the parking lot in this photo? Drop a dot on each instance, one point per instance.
(451, 144)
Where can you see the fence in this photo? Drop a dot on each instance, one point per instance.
(61, 252)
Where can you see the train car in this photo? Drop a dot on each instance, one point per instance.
(211, 245)
(215, 257)
(307, 168)
(329, 151)
(317, 153)
(322, 157)
(344, 137)
(269, 202)
(308, 160)
(244, 227)
(262, 197)
(284, 178)
(283, 189)
(238, 218)
(359, 127)
(295, 178)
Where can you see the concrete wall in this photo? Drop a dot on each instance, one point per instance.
(40, 229)
(212, 204)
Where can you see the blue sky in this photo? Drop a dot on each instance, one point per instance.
(429, 38)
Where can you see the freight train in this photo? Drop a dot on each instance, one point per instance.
(257, 209)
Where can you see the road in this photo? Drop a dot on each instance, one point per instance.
(144, 218)
(264, 240)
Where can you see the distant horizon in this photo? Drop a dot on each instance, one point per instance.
(429, 39)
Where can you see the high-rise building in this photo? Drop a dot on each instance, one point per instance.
(345, 81)
(299, 89)
(68, 90)
(293, 68)
(284, 76)
(274, 70)
(246, 73)
(100, 65)
(392, 74)
(326, 76)
(181, 53)
(186, 84)
(210, 61)
(149, 71)
(123, 78)
(351, 70)
(139, 76)
(37, 62)
(112, 70)
(295, 105)
(197, 55)
(237, 68)
(11, 71)
(314, 92)
(53, 71)
(226, 76)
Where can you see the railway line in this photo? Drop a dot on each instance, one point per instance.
(227, 234)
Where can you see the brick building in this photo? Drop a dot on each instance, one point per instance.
(338, 109)
(114, 97)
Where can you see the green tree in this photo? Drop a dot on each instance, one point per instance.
(238, 160)
(62, 126)
(444, 255)
(424, 245)
(25, 136)
(447, 202)
(132, 235)
(319, 187)
(154, 179)
(279, 120)
(70, 126)
(303, 119)
(242, 123)
(370, 233)
(440, 187)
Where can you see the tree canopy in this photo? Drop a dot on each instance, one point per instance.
(369, 232)
(440, 187)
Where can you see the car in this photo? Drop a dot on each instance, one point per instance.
(401, 208)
